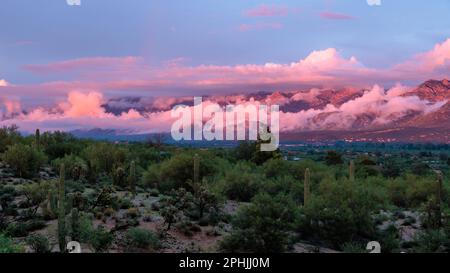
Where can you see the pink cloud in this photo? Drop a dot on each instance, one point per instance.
(259, 26)
(320, 68)
(83, 63)
(267, 11)
(9, 106)
(433, 63)
(79, 104)
(84, 110)
(3, 83)
(336, 16)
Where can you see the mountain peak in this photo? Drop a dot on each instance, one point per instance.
(433, 90)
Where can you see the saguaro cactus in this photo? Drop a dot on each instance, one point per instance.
(307, 187)
(132, 177)
(196, 169)
(75, 221)
(37, 139)
(62, 210)
(439, 199)
(351, 170)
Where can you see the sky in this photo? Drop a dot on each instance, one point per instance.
(155, 48)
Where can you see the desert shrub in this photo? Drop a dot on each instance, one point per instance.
(16, 230)
(39, 243)
(59, 144)
(340, 214)
(37, 193)
(169, 213)
(109, 212)
(333, 158)
(277, 167)
(203, 199)
(391, 169)
(8, 136)
(241, 183)
(420, 168)
(364, 171)
(8, 246)
(101, 240)
(35, 224)
(7, 194)
(432, 241)
(188, 228)
(145, 155)
(244, 151)
(178, 170)
(133, 213)
(318, 171)
(125, 203)
(353, 247)
(154, 192)
(21, 229)
(24, 160)
(410, 191)
(104, 198)
(119, 176)
(85, 227)
(143, 239)
(262, 226)
(287, 185)
(102, 157)
(389, 239)
(76, 167)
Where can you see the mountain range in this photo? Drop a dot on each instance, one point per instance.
(419, 114)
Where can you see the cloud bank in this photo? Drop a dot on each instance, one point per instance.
(92, 98)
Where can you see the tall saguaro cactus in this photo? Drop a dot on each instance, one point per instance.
(132, 177)
(196, 169)
(62, 210)
(439, 199)
(75, 221)
(307, 187)
(37, 139)
(351, 171)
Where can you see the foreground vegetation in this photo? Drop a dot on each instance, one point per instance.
(149, 197)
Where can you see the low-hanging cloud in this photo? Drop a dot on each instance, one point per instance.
(376, 107)
(88, 110)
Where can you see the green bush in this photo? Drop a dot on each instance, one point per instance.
(21, 229)
(59, 144)
(7, 194)
(103, 157)
(353, 247)
(9, 135)
(333, 158)
(101, 239)
(277, 167)
(39, 243)
(143, 239)
(188, 228)
(342, 213)
(432, 241)
(178, 170)
(76, 167)
(241, 183)
(24, 160)
(7, 245)
(262, 226)
(410, 191)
